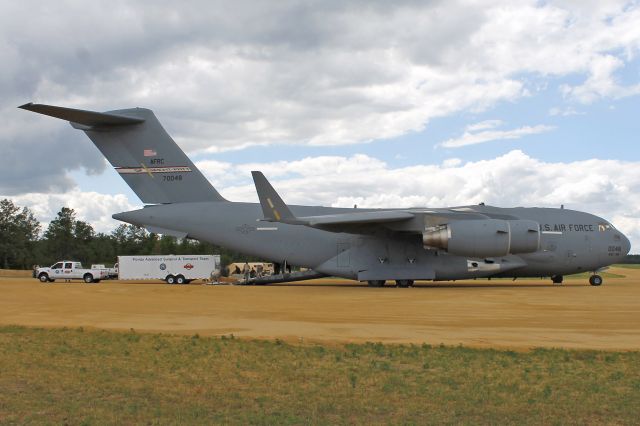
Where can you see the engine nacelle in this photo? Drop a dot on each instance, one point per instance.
(525, 236)
(484, 238)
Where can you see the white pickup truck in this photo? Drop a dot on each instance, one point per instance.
(111, 272)
(70, 270)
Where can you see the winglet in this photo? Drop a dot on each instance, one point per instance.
(273, 208)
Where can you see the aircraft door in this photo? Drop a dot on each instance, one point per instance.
(343, 255)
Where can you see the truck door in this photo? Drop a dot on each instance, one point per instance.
(57, 270)
(68, 270)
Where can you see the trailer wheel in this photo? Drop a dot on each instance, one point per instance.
(170, 279)
(43, 277)
(180, 280)
(88, 278)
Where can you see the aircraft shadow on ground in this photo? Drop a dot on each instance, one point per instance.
(425, 286)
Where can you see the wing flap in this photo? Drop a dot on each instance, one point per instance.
(359, 218)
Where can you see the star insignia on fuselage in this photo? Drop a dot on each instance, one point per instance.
(245, 229)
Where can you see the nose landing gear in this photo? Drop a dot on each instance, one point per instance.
(595, 280)
(556, 279)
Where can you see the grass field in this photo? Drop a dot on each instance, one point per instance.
(603, 274)
(628, 265)
(76, 376)
(15, 273)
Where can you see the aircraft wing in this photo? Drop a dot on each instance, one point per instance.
(275, 210)
(366, 222)
(357, 218)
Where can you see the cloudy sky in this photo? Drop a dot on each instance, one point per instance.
(380, 104)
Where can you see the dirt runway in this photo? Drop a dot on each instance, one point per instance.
(498, 313)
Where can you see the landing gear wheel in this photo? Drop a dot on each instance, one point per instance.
(557, 279)
(376, 283)
(88, 278)
(43, 278)
(404, 283)
(595, 280)
(180, 280)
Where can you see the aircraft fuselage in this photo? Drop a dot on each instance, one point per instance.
(570, 242)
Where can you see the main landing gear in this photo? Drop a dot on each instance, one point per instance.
(399, 283)
(595, 280)
(556, 279)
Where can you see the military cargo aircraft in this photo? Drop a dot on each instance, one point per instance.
(372, 245)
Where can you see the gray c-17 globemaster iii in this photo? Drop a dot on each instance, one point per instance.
(372, 245)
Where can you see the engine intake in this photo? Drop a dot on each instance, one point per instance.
(484, 238)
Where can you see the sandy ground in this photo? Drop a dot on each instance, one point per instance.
(498, 313)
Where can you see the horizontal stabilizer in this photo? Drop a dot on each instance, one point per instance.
(80, 116)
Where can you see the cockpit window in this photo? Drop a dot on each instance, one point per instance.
(602, 227)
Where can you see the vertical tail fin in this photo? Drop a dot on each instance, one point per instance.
(141, 151)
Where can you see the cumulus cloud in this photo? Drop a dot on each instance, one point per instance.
(226, 75)
(601, 82)
(564, 112)
(484, 125)
(89, 206)
(473, 136)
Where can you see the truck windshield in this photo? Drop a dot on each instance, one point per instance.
(57, 266)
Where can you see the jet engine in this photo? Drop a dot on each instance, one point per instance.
(484, 238)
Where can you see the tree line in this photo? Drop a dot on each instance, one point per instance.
(23, 243)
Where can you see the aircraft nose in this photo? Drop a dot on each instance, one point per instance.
(626, 244)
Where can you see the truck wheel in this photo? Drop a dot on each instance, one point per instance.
(180, 279)
(43, 277)
(88, 278)
(170, 279)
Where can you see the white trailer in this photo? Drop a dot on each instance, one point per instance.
(174, 269)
